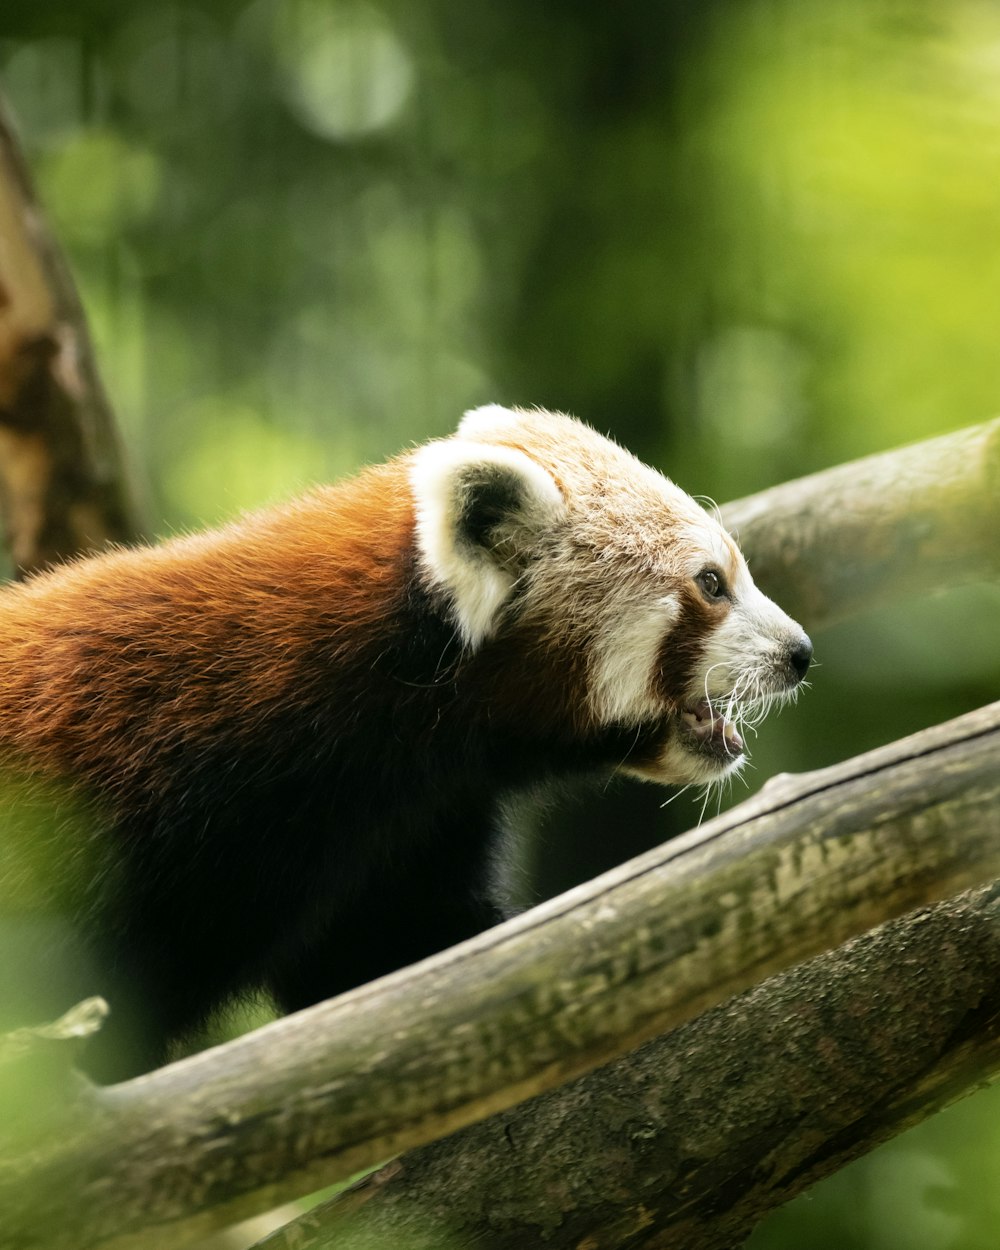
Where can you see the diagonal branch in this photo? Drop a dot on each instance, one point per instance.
(799, 868)
(686, 1143)
(908, 521)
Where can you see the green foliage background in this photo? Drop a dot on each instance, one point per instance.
(751, 238)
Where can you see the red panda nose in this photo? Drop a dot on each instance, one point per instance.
(800, 656)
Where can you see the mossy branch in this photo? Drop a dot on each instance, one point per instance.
(687, 1142)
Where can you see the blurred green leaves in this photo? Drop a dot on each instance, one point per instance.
(860, 156)
(770, 228)
(99, 186)
(257, 462)
(341, 68)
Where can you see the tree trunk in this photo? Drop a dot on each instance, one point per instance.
(63, 487)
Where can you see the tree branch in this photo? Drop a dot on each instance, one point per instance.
(686, 1143)
(524, 1007)
(908, 521)
(63, 487)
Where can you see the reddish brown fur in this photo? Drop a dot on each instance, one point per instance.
(683, 645)
(289, 773)
(208, 618)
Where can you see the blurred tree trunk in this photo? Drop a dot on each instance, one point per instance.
(63, 486)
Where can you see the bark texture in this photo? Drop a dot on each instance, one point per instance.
(907, 521)
(311, 1099)
(63, 487)
(686, 1143)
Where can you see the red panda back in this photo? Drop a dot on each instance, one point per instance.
(107, 655)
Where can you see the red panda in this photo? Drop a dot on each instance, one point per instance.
(276, 751)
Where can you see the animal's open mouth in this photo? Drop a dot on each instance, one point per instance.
(710, 733)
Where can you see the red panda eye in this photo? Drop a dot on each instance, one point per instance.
(711, 584)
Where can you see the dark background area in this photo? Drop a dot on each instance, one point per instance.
(749, 239)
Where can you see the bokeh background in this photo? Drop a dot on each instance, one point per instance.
(751, 238)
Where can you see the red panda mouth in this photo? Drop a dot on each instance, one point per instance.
(711, 731)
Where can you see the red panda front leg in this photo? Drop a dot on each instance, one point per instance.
(440, 896)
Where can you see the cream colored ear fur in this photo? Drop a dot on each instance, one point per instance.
(479, 511)
(486, 420)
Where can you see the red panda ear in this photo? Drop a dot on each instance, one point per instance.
(480, 514)
(486, 420)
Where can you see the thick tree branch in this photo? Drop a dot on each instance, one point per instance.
(797, 869)
(684, 1144)
(63, 487)
(908, 521)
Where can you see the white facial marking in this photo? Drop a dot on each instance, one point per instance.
(744, 668)
(743, 653)
(676, 765)
(622, 665)
(720, 552)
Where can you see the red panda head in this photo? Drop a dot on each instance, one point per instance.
(532, 522)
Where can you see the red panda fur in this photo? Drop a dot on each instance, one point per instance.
(219, 623)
